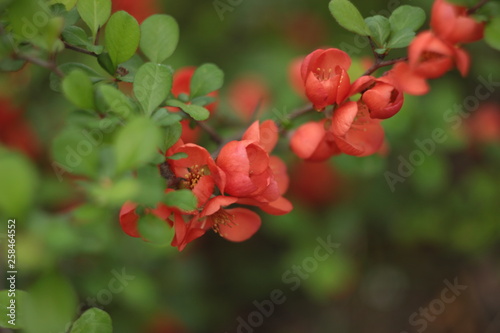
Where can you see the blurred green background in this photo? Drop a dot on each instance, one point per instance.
(396, 246)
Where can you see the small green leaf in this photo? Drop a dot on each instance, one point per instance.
(407, 17)
(177, 156)
(202, 100)
(56, 81)
(77, 36)
(152, 85)
(117, 101)
(136, 144)
(122, 37)
(106, 63)
(380, 28)
(401, 39)
(159, 37)
(155, 230)
(164, 118)
(68, 4)
(52, 305)
(93, 320)
(171, 135)
(94, 13)
(183, 199)
(206, 78)
(349, 17)
(492, 33)
(78, 89)
(195, 111)
(19, 176)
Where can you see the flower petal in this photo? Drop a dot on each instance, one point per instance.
(129, 219)
(247, 224)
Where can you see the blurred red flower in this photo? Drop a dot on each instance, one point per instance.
(452, 23)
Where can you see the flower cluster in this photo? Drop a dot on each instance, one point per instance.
(353, 127)
(243, 174)
(434, 52)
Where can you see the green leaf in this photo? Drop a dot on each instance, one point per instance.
(492, 33)
(183, 199)
(106, 63)
(68, 4)
(20, 298)
(129, 68)
(122, 37)
(349, 17)
(155, 230)
(17, 175)
(78, 89)
(52, 305)
(94, 13)
(206, 78)
(76, 150)
(177, 156)
(401, 39)
(171, 135)
(159, 37)
(164, 118)
(152, 86)
(151, 183)
(407, 17)
(56, 81)
(93, 320)
(380, 28)
(195, 111)
(77, 36)
(117, 101)
(136, 144)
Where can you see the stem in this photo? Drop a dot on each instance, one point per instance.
(476, 7)
(211, 132)
(79, 49)
(42, 63)
(300, 111)
(381, 64)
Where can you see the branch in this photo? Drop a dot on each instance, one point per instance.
(300, 111)
(79, 49)
(476, 7)
(381, 64)
(211, 132)
(42, 63)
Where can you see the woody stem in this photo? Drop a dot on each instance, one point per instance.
(381, 64)
(477, 6)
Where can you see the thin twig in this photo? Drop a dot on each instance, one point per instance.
(79, 49)
(383, 64)
(211, 132)
(42, 63)
(476, 7)
(300, 111)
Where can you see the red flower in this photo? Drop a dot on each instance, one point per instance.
(452, 24)
(129, 218)
(315, 184)
(252, 175)
(484, 125)
(198, 171)
(313, 141)
(248, 96)
(430, 57)
(381, 95)
(234, 224)
(15, 131)
(355, 132)
(324, 73)
(138, 9)
(294, 75)
(187, 232)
